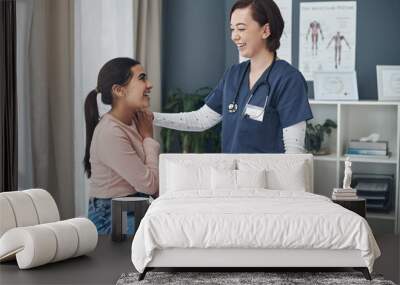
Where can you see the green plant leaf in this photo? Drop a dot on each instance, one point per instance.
(179, 101)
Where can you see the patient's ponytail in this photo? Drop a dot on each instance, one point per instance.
(116, 71)
(91, 119)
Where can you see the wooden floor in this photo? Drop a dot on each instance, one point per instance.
(110, 260)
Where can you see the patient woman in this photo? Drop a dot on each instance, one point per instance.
(121, 157)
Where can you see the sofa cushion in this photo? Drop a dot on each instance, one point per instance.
(45, 205)
(7, 220)
(23, 208)
(26, 208)
(40, 244)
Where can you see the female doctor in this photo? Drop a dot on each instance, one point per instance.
(262, 102)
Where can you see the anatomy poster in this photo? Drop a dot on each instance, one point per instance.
(285, 50)
(327, 37)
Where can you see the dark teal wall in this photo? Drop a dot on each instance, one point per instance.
(193, 43)
(197, 46)
(231, 52)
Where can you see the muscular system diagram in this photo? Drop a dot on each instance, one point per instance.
(337, 39)
(315, 30)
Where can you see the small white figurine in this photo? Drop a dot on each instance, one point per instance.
(347, 174)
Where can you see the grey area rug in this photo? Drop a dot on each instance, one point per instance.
(228, 278)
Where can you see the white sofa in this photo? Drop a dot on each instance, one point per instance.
(31, 231)
(193, 184)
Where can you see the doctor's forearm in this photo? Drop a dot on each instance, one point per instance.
(196, 121)
(293, 138)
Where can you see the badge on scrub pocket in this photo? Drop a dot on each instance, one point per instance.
(254, 112)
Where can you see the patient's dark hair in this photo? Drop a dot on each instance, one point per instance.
(263, 12)
(116, 71)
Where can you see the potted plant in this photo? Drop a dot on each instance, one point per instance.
(189, 142)
(315, 136)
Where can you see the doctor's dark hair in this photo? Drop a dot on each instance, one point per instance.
(263, 12)
(116, 71)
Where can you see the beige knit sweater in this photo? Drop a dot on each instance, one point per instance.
(122, 163)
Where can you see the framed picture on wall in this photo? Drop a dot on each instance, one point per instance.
(335, 85)
(388, 79)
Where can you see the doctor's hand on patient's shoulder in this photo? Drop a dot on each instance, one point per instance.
(144, 123)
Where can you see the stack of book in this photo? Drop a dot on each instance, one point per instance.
(344, 194)
(368, 149)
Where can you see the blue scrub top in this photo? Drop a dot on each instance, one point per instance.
(287, 105)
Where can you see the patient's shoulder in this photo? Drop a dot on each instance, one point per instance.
(109, 130)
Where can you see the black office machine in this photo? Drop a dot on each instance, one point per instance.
(377, 189)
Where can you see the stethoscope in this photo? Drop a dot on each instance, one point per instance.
(233, 107)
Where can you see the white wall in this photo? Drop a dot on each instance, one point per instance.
(103, 30)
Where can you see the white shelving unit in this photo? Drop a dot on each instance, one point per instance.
(356, 119)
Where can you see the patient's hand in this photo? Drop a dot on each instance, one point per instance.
(144, 123)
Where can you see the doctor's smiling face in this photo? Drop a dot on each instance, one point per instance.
(247, 34)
